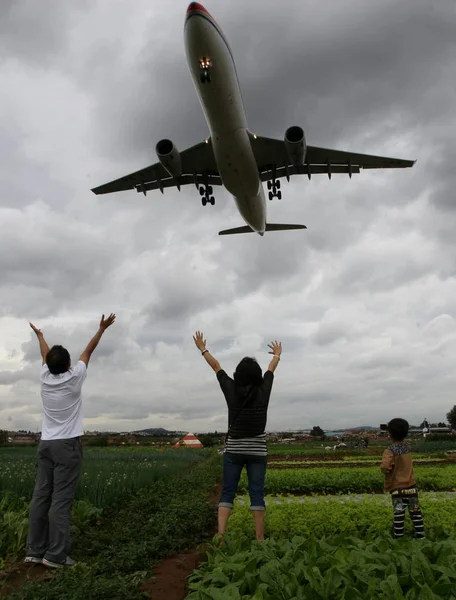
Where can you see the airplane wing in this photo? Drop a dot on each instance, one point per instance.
(198, 167)
(271, 154)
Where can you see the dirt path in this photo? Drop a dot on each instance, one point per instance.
(170, 576)
(20, 573)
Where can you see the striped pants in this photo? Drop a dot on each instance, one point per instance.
(402, 499)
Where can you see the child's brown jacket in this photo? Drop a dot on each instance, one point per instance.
(397, 465)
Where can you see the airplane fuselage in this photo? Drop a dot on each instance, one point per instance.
(223, 108)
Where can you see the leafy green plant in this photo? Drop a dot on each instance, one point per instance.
(332, 568)
(339, 480)
(323, 516)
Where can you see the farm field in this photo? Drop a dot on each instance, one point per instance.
(333, 480)
(326, 537)
(133, 509)
(108, 475)
(328, 540)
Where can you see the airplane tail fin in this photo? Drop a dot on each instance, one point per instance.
(269, 227)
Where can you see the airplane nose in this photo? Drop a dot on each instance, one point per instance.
(196, 6)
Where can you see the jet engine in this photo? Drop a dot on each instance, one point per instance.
(169, 157)
(295, 143)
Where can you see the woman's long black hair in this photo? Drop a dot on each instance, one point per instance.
(248, 373)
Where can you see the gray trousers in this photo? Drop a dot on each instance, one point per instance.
(59, 466)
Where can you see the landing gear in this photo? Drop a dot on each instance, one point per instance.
(273, 186)
(205, 65)
(206, 193)
(205, 76)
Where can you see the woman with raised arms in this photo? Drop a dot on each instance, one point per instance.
(247, 396)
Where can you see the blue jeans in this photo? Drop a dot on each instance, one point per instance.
(256, 471)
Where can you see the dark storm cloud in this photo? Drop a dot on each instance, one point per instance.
(273, 269)
(332, 74)
(369, 64)
(377, 275)
(16, 174)
(107, 83)
(36, 32)
(48, 260)
(353, 80)
(114, 349)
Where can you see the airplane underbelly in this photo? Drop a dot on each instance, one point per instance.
(239, 172)
(236, 163)
(253, 210)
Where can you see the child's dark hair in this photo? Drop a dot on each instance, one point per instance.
(398, 429)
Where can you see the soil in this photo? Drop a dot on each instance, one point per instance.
(170, 576)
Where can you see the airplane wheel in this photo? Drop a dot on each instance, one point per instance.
(279, 195)
(212, 200)
(277, 183)
(201, 191)
(209, 189)
(203, 201)
(269, 185)
(271, 195)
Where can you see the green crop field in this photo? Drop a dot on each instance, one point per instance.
(328, 525)
(334, 480)
(108, 475)
(333, 541)
(109, 478)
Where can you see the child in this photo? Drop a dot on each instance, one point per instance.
(397, 465)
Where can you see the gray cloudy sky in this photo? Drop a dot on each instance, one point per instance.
(364, 301)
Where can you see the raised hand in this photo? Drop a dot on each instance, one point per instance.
(36, 330)
(276, 348)
(199, 341)
(105, 323)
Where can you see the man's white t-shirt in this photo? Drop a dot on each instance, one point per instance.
(62, 402)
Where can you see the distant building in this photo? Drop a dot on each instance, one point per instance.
(440, 430)
(188, 441)
(24, 439)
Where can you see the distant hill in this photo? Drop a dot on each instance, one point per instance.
(360, 427)
(154, 431)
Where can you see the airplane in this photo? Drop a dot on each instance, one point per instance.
(232, 156)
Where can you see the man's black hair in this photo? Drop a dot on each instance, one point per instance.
(248, 372)
(398, 429)
(58, 360)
